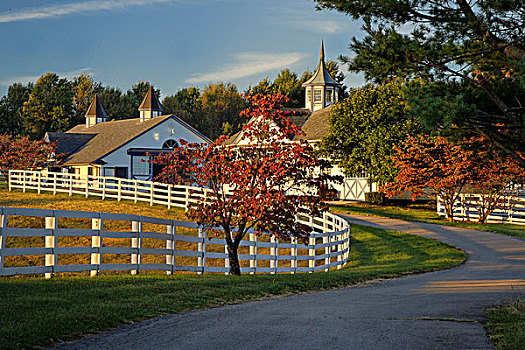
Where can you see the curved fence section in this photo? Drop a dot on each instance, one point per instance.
(39, 241)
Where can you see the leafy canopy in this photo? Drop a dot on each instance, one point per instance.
(480, 44)
(262, 186)
(363, 129)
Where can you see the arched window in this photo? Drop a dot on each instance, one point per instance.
(170, 144)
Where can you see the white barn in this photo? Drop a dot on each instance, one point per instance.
(120, 148)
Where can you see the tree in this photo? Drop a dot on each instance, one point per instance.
(492, 176)
(49, 107)
(11, 108)
(431, 163)
(186, 105)
(114, 103)
(221, 105)
(263, 186)
(363, 129)
(481, 44)
(286, 83)
(22, 153)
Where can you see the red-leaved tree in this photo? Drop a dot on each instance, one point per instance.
(23, 153)
(492, 175)
(431, 163)
(263, 185)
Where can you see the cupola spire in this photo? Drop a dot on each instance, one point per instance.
(95, 113)
(150, 106)
(321, 89)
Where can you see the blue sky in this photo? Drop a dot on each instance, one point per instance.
(170, 43)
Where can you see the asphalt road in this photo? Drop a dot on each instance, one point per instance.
(439, 310)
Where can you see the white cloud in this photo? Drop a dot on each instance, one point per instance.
(33, 78)
(71, 8)
(249, 64)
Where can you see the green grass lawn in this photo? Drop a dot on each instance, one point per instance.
(39, 312)
(422, 212)
(35, 311)
(506, 325)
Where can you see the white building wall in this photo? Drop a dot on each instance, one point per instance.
(154, 138)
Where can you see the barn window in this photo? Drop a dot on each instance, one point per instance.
(170, 144)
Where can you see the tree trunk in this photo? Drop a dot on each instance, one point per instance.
(235, 267)
(449, 209)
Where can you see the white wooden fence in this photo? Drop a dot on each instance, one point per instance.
(106, 187)
(511, 209)
(331, 235)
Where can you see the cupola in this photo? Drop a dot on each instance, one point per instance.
(150, 106)
(95, 113)
(321, 89)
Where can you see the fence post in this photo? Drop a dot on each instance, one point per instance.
(187, 203)
(326, 239)
(293, 253)
(151, 187)
(54, 183)
(71, 184)
(226, 259)
(3, 223)
(169, 196)
(38, 178)
(274, 251)
(136, 243)
(96, 245)
(311, 253)
(119, 194)
(24, 182)
(201, 246)
(103, 187)
(136, 191)
(253, 252)
(170, 246)
(51, 242)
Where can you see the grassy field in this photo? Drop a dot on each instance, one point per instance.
(37, 312)
(506, 325)
(422, 212)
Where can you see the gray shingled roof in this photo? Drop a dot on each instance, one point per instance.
(298, 119)
(150, 102)
(96, 109)
(317, 125)
(112, 135)
(67, 143)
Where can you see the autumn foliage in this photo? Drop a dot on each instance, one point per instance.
(263, 185)
(435, 167)
(22, 153)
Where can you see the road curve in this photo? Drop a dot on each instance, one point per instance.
(438, 310)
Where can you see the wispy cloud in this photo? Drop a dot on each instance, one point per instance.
(322, 22)
(247, 64)
(72, 8)
(33, 78)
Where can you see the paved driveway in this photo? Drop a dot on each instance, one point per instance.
(439, 310)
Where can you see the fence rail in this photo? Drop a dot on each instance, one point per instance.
(511, 209)
(107, 187)
(331, 235)
(265, 254)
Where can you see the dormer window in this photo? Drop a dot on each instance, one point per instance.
(317, 95)
(329, 95)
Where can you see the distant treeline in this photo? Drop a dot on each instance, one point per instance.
(53, 103)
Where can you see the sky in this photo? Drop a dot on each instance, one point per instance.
(171, 43)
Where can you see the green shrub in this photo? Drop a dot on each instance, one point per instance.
(375, 197)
